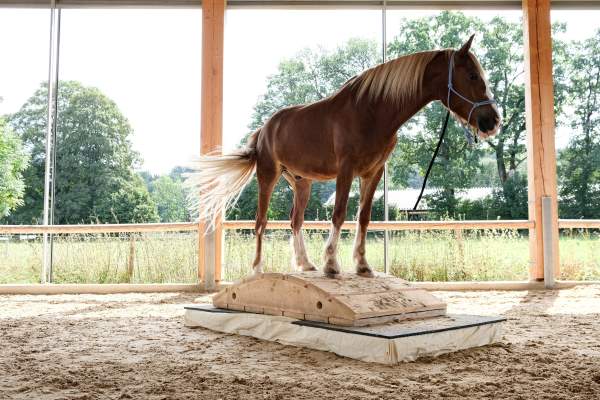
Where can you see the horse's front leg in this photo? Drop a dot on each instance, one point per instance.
(342, 191)
(368, 185)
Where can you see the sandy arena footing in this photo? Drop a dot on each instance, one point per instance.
(135, 346)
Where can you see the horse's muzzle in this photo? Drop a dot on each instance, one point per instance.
(488, 124)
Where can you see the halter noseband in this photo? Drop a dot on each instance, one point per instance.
(474, 104)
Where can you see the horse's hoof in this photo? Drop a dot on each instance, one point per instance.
(331, 269)
(309, 268)
(365, 272)
(333, 275)
(257, 269)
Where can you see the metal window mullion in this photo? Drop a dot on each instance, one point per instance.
(50, 164)
(386, 211)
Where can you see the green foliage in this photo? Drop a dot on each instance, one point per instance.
(170, 198)
(13, 161)
(130, 203)
(281, 202)
(508, 202)
(94, 160)
(377, 209)
(579, 163)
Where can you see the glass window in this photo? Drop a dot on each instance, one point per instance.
(129, 101)
(128, 122)
(23, 70)
(576, 45)
(487, 180)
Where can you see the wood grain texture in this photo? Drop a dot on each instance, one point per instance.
(99, 228)
(211, 124)
(350, 300)
(393, 225)
(539, 110)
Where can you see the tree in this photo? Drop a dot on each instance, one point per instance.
(130, 203)
(170, 198)
(94, 159)
(579, 163)
(13, 161)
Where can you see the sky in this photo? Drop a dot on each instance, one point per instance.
(148, 62)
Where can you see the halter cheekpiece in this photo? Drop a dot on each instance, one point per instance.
(474, 104)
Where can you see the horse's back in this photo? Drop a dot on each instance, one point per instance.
(301, 138)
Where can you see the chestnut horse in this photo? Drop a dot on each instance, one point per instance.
(346, 135)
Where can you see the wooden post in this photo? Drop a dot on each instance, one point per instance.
(211, 135)
(539, 110)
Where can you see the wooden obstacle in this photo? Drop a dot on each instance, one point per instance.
(348, 301)
(362, 318)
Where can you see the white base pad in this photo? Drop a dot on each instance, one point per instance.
(386, 344)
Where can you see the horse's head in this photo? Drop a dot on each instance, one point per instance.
(469, 96)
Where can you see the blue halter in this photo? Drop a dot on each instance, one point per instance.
(474, 104)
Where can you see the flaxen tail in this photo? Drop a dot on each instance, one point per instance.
(217, 181)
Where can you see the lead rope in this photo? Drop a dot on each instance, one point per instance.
(435, 153)
(468, 135)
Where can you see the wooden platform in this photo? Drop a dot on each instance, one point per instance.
(348, 301)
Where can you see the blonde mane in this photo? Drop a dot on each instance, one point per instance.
(395, 80)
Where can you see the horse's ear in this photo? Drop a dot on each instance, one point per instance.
(464, 50)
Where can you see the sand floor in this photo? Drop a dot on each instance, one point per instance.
(135, 346)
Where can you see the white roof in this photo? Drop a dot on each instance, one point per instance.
(404, 199)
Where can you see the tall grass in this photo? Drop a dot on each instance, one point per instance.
(579, 251)
(414, 255)
(106, 258)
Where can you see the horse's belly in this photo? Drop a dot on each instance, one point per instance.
(316, 171)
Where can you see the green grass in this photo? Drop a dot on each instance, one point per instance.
(420, 256)
(172, 257)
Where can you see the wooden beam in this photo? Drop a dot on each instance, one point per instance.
(539, 110)
(99, 228)
(393, 225)
(247, 224)
(579, 223)
(211, 135)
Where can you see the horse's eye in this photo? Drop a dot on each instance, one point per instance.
(473, 76)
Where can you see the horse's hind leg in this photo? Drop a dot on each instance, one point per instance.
(267, 176)
(301, 188)
(368, 185)
(342, 191)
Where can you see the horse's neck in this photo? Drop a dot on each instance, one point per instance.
(389, 117)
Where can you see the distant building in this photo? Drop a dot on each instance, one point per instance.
(405, 199)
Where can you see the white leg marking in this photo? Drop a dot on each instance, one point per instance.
(358, 254)
(331, 265)
(258, 268)
(300, 257)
